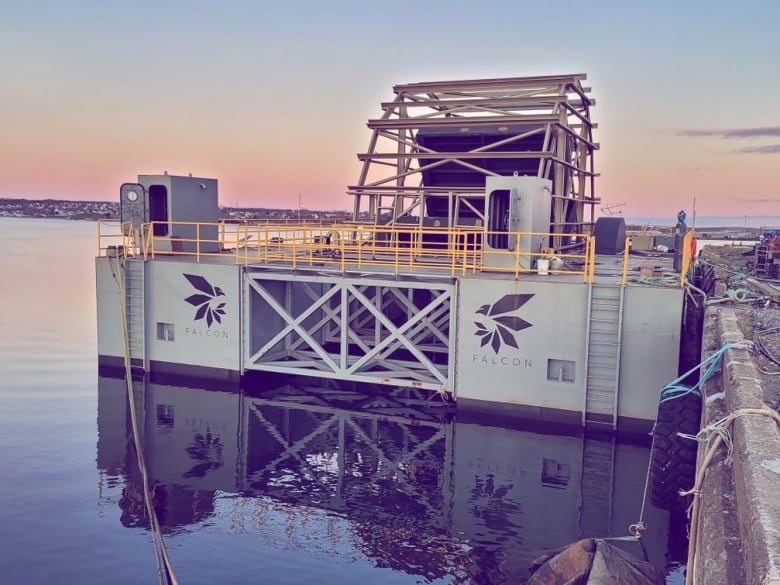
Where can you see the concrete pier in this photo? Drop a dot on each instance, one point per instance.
(738, 538)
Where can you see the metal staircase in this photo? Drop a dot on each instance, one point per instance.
(602, 363)
(134, 309)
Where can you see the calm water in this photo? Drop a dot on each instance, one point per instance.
(276, 483)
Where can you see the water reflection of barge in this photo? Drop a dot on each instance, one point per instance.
(473, 267)
(403, 481)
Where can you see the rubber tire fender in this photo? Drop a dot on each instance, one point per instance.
(673, 458)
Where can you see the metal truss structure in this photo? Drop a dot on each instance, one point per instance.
(366, 457)
(435, 143)
(357, 328)
(381, 431)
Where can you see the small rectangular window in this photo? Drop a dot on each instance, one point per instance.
(165, 416)
(165, 331)
(555, 474)
(158, 208)
(561, 370)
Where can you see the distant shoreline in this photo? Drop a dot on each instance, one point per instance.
(96, 210)
(734, 227)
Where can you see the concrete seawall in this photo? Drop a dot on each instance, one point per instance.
(738, 538)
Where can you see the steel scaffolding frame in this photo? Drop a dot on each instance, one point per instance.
(555, 107)
(354, 328)
(393, 445)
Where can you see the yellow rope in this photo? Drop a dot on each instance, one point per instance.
(165, 572)
(718, 432)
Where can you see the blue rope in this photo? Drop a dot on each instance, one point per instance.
(738, 275)
(675, 390)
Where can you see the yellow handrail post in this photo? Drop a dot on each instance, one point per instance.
(414, 235)
(453, 239)
(586, 265)
(237, 259)
(310, 241)
(394, 239)
(342, 244)
(246, 244)
(687, 257)
(473, 254)
(467, 252)
(462, 258)
(589, 260)
(294, 249)
(197, 242)
(360, 247)
(626, 250)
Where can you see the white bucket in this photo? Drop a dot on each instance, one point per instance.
(543, 266)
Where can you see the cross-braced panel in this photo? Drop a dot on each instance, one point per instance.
(389, 475)
(388, 332)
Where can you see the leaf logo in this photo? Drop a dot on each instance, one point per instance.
(500, 327)
(206, 448)
(209, 305)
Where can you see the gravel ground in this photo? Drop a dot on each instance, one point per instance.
(759, 312)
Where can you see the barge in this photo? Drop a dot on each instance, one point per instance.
(474, 267)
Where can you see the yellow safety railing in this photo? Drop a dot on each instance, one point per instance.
(184, 238)
(590, 259)
(626, 252)
(362, 245)
(461, 250)
(117, 239)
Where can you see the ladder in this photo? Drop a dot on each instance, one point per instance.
(602, 361)
(761, 261)
(134, 309)
(597, 484)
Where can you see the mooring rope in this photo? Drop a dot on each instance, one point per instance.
(672, 391)
(675, 390)
(736, 295)
(689, 286)
(737, 274)
(165, 574)
(719, 433)
(665, 279)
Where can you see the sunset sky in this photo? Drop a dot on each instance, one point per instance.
(272, 98)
